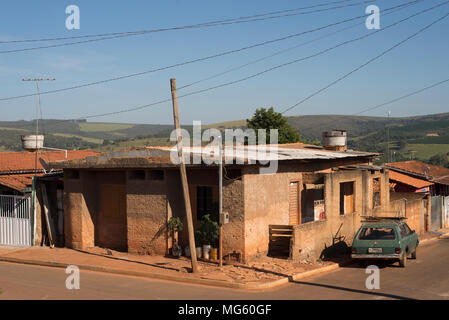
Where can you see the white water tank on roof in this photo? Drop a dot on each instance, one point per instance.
(32, 142)
(334, 139)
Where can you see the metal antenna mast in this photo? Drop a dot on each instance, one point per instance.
(37, 80)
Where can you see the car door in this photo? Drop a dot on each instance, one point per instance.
(406, 237)
(412, 236)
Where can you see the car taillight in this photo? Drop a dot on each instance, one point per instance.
(354, 250)
(397, 250)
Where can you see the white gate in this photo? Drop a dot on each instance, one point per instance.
(15, 221)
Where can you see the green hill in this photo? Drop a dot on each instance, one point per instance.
(419, 137)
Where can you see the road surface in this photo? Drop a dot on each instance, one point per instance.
(424, 278)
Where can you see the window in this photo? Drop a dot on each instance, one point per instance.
(407, 228)
(373, 233)
(204, 203)
(404, 230)
(137, 175)
(312, 202)
(156, 175)
(347, 197)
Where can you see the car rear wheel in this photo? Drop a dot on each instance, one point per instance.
(403, 261)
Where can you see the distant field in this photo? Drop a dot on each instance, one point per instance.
(98, 127)
(226, 125)
(13, 129)
(425, 151)
(136, 143)
(68, 135)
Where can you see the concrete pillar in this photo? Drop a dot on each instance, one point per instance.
(78, 224)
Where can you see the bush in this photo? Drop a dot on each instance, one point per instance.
(208, 232)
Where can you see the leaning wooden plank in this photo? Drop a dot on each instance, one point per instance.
(48, 219)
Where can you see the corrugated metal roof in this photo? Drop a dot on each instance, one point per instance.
(160, 156)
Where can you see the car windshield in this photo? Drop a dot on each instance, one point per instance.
(377, 233)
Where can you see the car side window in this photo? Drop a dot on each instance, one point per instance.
(407, 229)
(404, 230)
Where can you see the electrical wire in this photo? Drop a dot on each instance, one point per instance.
(367, 63)
(381, 104)
(201, 59)
(254, 18)
(294, 61)
(285, 50)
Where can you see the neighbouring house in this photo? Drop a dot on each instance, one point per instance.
(424, 171)
(17, 169)
(422, 178)
(315, 200)
(400, 182)
(23, 176)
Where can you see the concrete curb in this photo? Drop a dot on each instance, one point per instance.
(442, 236)
(208, 282)
(310, 273)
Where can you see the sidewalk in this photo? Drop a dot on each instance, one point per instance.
(262, 273)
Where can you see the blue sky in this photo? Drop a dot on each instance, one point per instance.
(418, 63)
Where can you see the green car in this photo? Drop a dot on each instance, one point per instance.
(384, 239)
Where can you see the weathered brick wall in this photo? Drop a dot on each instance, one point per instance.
(146, 217)
(334, 235)
(266, 202)
(78, 222)
(413, 210)
(234, 231)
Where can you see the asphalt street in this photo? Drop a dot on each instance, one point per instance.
(424, 278)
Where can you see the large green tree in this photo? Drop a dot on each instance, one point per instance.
(439, 160)
(269, 119)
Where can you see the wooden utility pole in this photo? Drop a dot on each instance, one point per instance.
(220, 203)
(185, 185)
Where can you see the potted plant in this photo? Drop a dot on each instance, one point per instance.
(175, 225)
(207, 234)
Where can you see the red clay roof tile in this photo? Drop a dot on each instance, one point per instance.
(421, 168)
(403, 178)
(23, 161)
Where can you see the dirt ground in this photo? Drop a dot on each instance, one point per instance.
(260, 269)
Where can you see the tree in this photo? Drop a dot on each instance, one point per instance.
(269, 119)
(439, 160)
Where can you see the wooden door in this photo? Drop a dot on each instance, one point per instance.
(294, 205)
(111, 225)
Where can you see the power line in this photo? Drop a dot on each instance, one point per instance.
(253, 18)
(203, 58)
(178, 28)
(284, 50)
(382, 104)
(284, 64)
(368, 62)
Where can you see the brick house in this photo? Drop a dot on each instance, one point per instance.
(23, 177)
(124, 200)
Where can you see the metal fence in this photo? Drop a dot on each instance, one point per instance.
(436, 213)
(15, 220)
